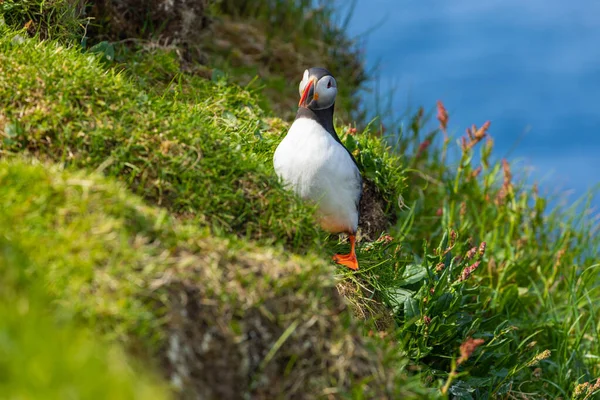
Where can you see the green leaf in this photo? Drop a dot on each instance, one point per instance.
(105, 49)
(443, 303)
(13, 129)
(218, 75)
(413, 273)
(398, 296)
(411, 308)
(351, 143)
(462, 390)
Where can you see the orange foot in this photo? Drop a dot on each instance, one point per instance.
(348, 260)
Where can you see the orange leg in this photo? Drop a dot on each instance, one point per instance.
(348, 260)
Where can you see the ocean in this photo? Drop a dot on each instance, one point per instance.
(530, 67)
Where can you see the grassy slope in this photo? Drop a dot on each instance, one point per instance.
(536, 288)
(70, 109)
(131, 271)
(102, 258)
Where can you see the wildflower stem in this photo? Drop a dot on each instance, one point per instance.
(455, 188)
(451, 376)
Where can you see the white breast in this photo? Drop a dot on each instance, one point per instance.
(319, 168)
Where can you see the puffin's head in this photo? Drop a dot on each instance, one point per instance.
(317, 89)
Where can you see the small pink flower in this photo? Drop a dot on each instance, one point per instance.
(467, 349)
(471, 253)
(442, 116)
(482, 249)
(423, 146)
(385, 239)
(466, 273)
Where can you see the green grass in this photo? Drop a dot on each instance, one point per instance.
(537, 287)
(189, 239)
(277, 40)
(41, 358)
(130, 271)
(58, 20)
(202, 157)
(48, 354)
(229, 314)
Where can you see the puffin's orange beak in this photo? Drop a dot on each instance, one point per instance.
(304, 96)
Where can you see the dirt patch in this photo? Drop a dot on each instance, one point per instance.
(179, 22)
(200, 351)
(253, 49)
(365, 306)
(373, 219)
(249, 325)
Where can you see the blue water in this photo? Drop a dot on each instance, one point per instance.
(530, 67)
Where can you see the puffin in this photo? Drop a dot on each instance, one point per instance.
(312, 161)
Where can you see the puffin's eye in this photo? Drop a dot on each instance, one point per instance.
(329, 84)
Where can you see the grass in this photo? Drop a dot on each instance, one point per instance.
(477, 291)
(87, 230)
(58, 20)
(46, 354)
(199, 308)
(277, 40)
(208, 167)
(67, 361)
